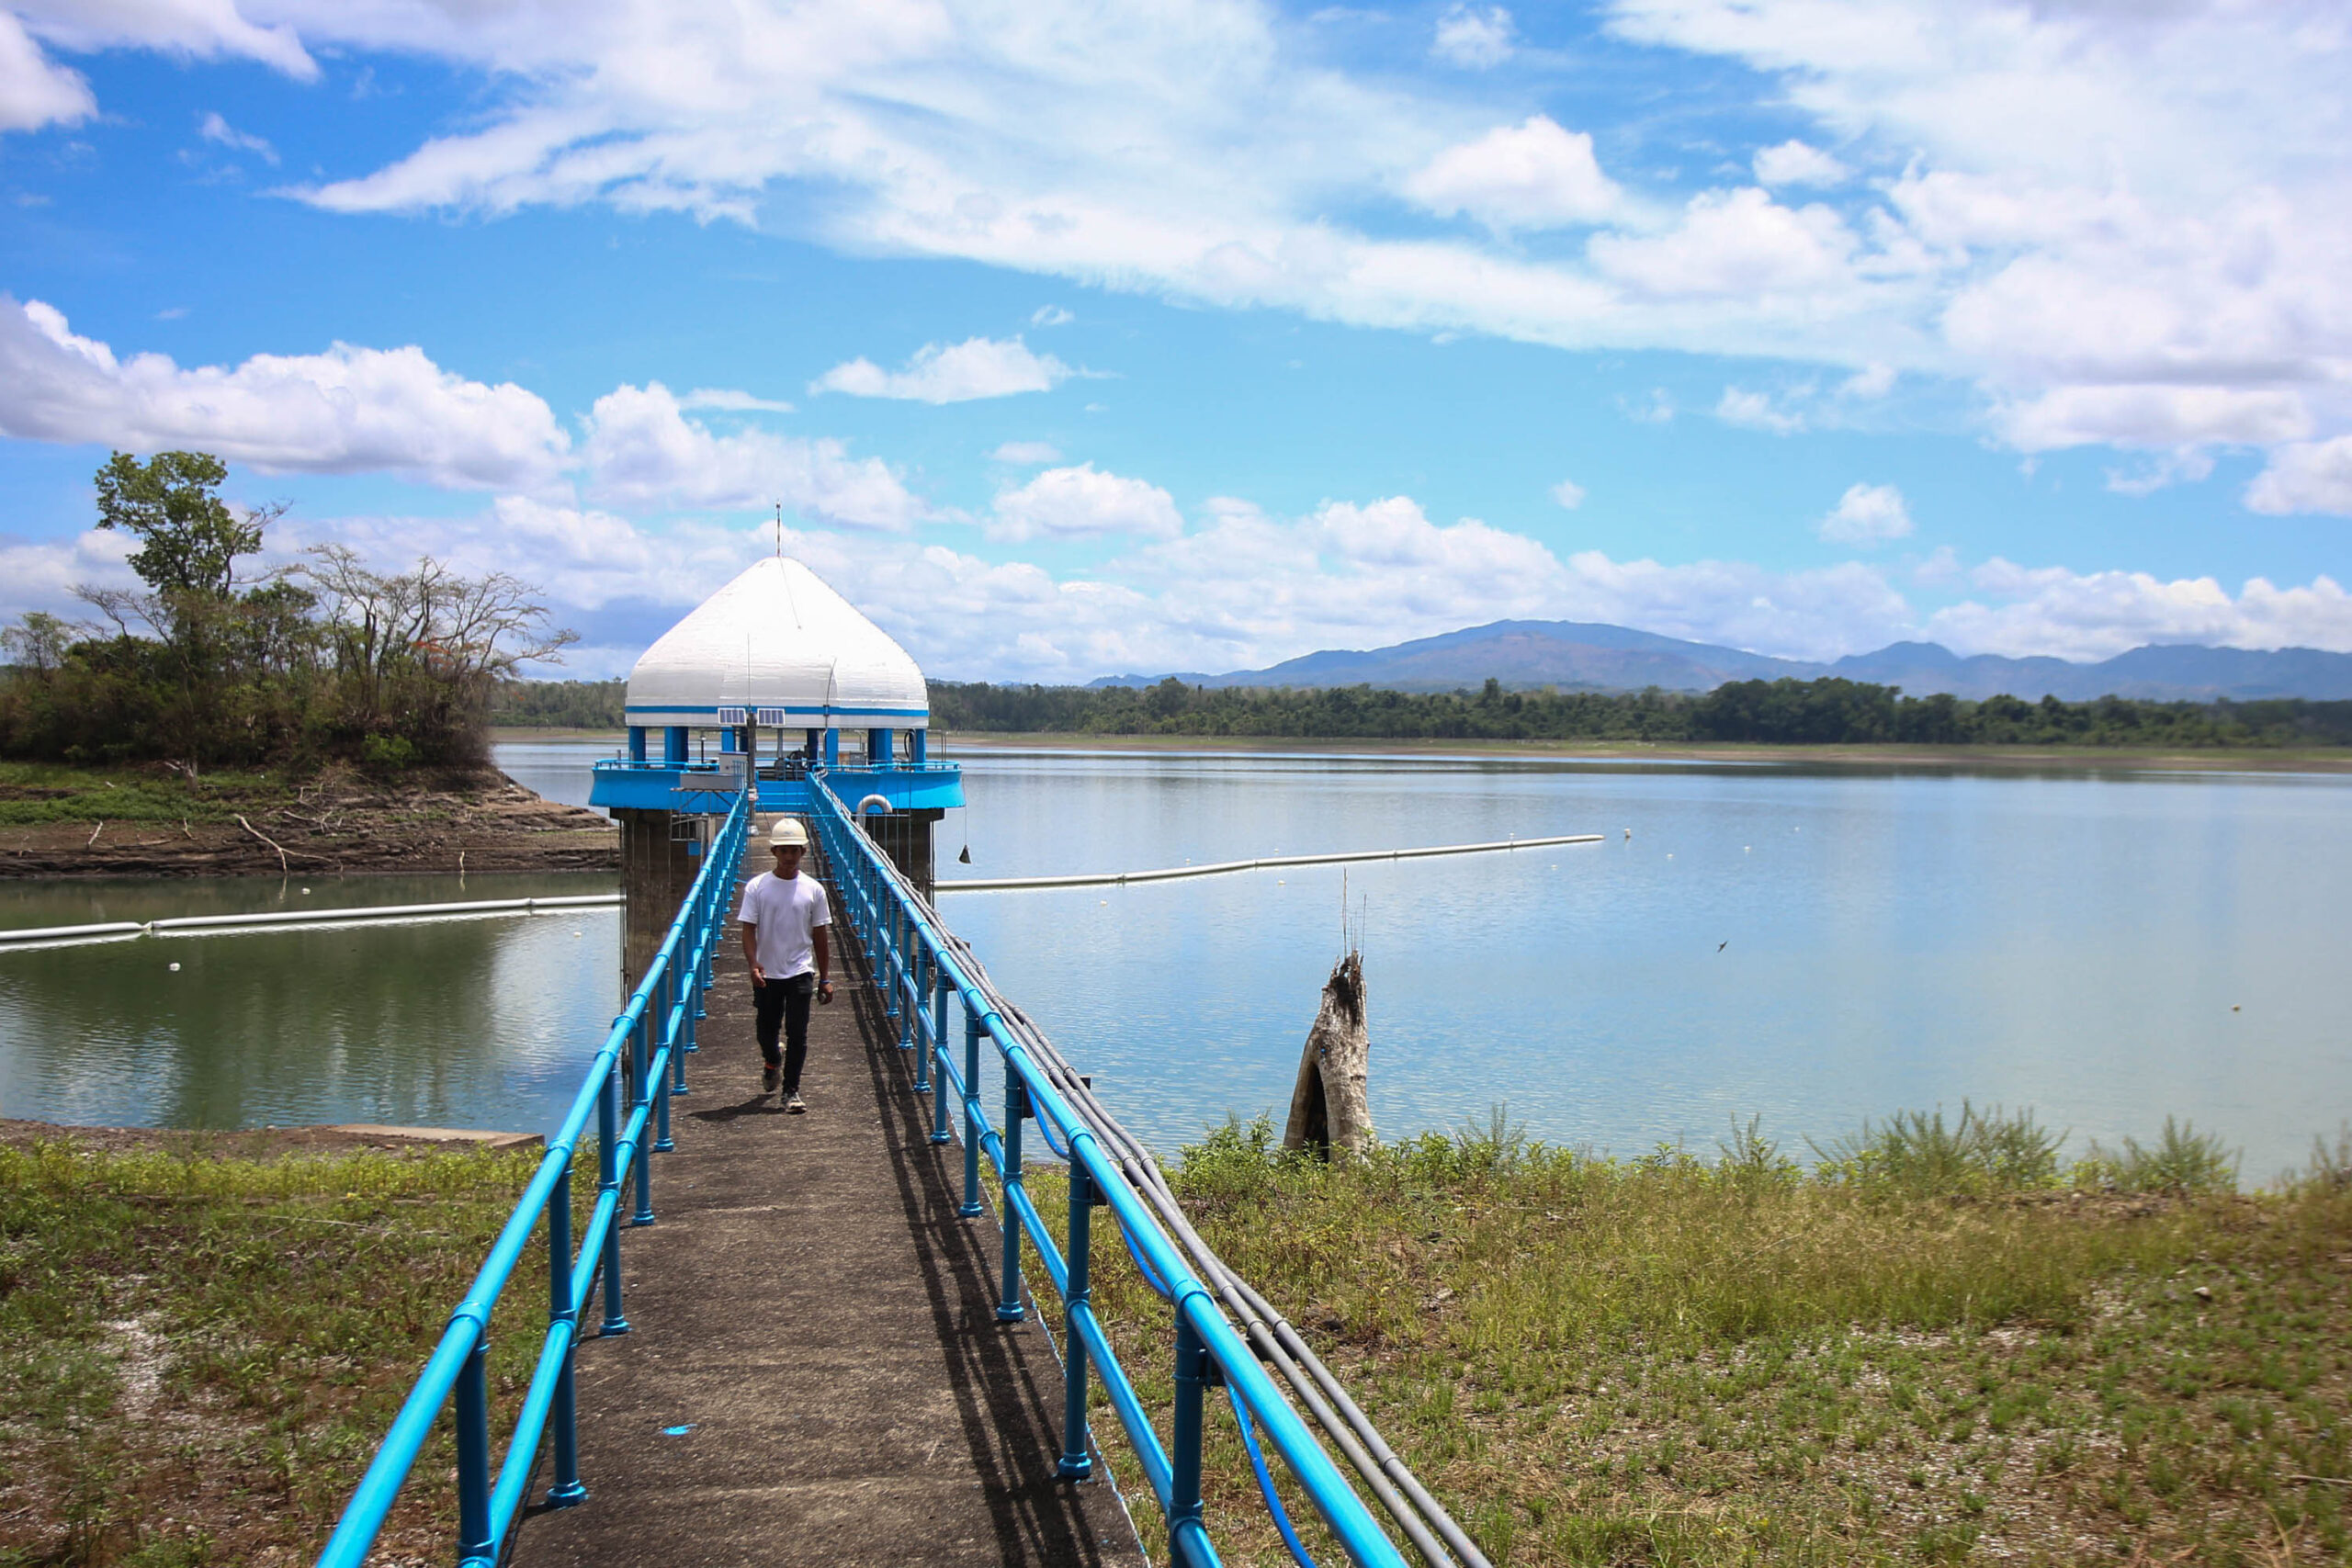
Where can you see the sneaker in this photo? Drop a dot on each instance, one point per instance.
(767, 1079)
(795, 1106)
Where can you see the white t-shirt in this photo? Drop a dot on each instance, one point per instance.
(786, 913)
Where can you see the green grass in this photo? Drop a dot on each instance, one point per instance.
(35, 793)
(199, 1355)
(1673, 1359)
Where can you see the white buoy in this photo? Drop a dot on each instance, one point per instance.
(175, 969)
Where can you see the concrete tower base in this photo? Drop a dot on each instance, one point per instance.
(906, 838)
(657, 873)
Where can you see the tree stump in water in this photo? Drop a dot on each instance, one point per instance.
(1328, 1108)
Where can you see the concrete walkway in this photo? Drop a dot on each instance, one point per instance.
(812, 1307)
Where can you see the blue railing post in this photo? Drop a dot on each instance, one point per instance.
(473, 1454)
(608, 1179)
(939, 1049)
(902, 992)
(1076, 1463)
(1184, 1432)
(661, 1144)
(640, 1049)
(681, 994)
(971, 1204)
(562, 1309)
(918, 990)
(1016, 1106)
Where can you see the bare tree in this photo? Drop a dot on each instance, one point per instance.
(465, 631)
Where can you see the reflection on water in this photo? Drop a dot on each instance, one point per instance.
(480, 1023)
(1815, 944)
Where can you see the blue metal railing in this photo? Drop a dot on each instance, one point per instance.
(917, 967)
(653, 1036)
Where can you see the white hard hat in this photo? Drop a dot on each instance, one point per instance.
(788, 831)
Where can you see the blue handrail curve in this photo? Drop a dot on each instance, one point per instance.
(905, 945)
(653, 1036)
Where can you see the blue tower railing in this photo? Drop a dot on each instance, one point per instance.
(916, 964)
(653, 1036)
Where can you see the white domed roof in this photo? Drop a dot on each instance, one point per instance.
(778, 640)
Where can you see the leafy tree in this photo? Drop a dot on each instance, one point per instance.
(188, 539)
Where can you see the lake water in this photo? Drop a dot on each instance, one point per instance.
(1813, 946)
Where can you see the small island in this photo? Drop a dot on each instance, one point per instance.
(319, 717)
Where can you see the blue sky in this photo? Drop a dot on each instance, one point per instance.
(1076, 340)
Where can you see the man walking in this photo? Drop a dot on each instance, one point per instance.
(784, 916)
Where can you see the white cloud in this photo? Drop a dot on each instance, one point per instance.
(1082, 502)
(1867, 515)
(1532, 176)
(2050, 610)
(1870, 381)
(209, 29)
(1050, 316)
(1568, 493)
(34, 90)
(643, 451)
(2187, 465)
(346, 410)
(953, 373)
(1026, 453)
(1656, 408)
(2153, 416)
(1755, 411)
(2306, 475)
(1734, 242)
(1796, 164)
(730, 400)
(216, 129)
(1478, 37)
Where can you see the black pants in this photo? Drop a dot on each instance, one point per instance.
(782, 1005)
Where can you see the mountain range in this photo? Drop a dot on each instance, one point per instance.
(1596, 657)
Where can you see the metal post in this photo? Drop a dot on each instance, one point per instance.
(1184, 1452)
(674, 1080)
(887, 923)
(1016, 1106)
(1076, 1463)
(656, 1025)
(473, 1456)
(608, 1179)
(939, 1049)
(971, 1204)
(902, 992)
(918, 990)
(562, 1308)
(638, 1050)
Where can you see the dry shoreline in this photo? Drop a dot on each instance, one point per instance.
(334, 827)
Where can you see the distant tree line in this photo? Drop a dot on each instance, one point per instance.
(1824, 712)
(322, 660)
(1829, 711)
(559, 705)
